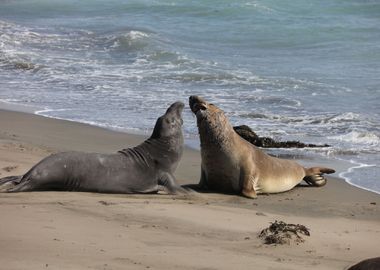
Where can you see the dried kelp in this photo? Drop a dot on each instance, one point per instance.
(281, 233)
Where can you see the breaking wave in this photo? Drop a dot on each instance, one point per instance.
(323, 119)
(357, 137)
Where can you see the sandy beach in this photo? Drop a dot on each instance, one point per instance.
(67, 230)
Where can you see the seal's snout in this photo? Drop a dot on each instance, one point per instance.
(197, 103)
(176, 107)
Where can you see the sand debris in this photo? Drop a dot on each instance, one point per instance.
(281, 233)
(9, 168)
(106, 203)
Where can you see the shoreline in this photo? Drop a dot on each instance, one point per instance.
(67, 135)
(191, 144)
(118, 231)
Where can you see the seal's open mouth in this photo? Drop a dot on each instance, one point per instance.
(197, 103)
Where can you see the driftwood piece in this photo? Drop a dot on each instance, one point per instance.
(248, 134)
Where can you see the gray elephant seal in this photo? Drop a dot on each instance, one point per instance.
(231, 164)
(146, 168)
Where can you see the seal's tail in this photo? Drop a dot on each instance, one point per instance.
(314, 176)
(9, 182)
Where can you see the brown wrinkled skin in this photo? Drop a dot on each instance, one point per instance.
(231, 164)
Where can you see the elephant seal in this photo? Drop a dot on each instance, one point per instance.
(232, 164)
(146, 168)
(369, 264)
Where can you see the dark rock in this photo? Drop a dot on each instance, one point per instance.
(248, 134)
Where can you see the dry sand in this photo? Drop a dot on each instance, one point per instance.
(67, 230)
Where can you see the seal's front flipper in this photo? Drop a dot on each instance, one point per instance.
(251, 194)
(314, 176)
(248, 184)
(168, 181)
(203, 181)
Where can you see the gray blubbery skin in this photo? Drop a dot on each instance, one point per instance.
(146, 168)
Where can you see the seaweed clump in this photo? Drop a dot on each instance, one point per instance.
(282, 233)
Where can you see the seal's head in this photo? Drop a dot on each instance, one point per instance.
(170, 124)
(205, 111)
(212, 123)
(167, 139)
(202, 109)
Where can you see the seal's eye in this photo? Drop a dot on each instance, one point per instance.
(170, 120)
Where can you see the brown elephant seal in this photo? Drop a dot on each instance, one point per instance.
(146, 168)
(231, 164)
(369, 264)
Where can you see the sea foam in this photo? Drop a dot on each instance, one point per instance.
(357, 137)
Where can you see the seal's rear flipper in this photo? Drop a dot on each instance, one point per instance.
(314, 176)
(9, 182)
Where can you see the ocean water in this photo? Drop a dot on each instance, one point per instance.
(293, 70)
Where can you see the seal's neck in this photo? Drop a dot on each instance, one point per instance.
(164, 146)
(215, 131)
(165, 152)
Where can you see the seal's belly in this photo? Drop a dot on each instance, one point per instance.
(275, 185)
(278, 175)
